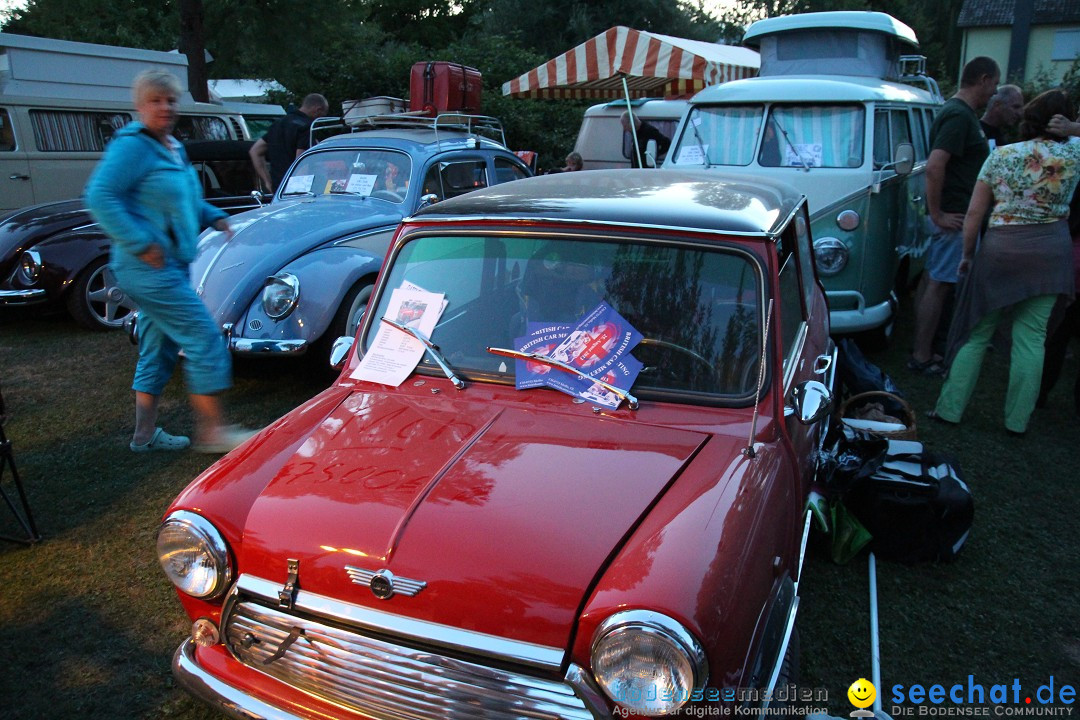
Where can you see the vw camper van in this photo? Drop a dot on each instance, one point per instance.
(603, 143)
(842, 112)
(60, 103)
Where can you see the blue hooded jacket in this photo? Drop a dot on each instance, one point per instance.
(142, 193)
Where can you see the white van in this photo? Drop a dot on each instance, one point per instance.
(602, 142)
(842, 114)
(60, 103)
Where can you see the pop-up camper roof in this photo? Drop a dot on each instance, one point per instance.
(860, 43)
(48, 68)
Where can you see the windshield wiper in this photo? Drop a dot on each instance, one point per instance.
(432, 350)
(631, 401)
(700, 143)
(805, 164)
(298, 192)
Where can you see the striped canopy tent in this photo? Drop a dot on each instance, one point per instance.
(622, 62)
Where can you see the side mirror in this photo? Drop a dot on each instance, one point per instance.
(812, 401)
(650, 154)
(257, 196)
(429, 199)
(904, 159)
(339, 351)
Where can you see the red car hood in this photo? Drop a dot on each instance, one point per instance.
(507, 514)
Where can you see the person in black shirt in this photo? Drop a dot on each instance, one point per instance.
(286, 139)
(1002, 114)
(645, 132)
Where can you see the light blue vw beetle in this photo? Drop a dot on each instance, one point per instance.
(298, 272)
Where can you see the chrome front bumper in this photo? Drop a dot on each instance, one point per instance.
(220, 695)
(862, 317)
(244, 346)
(22, 297)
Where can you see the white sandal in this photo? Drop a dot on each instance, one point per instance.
(161, 440)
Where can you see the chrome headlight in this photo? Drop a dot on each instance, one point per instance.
(30, 267)
(194, 555)
(830, 254)
(280, 295)
(647, 662)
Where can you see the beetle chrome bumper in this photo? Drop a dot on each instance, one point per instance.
(243, 346)
(22, 297)
(218, 694)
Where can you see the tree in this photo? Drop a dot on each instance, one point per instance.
(192, 45)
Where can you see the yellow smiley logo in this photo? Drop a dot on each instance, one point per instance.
(862, 693)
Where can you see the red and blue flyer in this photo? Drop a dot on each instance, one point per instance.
(598, 347)
(542, 338)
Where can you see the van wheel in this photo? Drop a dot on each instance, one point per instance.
(96, 302)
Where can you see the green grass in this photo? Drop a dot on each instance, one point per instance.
(89, 623)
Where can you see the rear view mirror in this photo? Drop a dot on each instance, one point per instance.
(904, 159)
(650, 154)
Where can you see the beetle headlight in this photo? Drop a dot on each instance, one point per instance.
(193, 554)
(280, 295)
(647, 662)
(830, 254)
(30, 267)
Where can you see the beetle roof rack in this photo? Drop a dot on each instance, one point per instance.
(453, 122)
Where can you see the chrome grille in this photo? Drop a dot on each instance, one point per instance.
(389, 681)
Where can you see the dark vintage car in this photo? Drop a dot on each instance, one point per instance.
(301, 270)
(453, 547)
(55, 255)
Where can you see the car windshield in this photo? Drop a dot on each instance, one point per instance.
(809, 136)
(697, 309)
(379, 173)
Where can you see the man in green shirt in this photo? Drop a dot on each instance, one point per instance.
(958, 149)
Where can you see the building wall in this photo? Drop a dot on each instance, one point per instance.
(994, 42)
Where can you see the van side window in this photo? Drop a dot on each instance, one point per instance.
(195, 127)
(899, 128)
(882, 152)
(74, 131)
(920, 135)
(666, 127)
(7, 133)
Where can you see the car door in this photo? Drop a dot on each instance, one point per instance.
(18, 188)
(804, 329)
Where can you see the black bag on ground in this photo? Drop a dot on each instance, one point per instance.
(916, 505)
(859, 375)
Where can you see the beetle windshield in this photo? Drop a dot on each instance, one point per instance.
(379, 173)
(807, 136)
(698, 309)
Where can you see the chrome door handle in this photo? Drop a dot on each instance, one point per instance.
(17, 176)
(822, 364)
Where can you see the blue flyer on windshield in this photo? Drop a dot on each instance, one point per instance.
(598, 347)
(541, 338)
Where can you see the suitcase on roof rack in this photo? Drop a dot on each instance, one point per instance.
(436, 87)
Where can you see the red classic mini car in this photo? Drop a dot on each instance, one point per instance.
(584, 494)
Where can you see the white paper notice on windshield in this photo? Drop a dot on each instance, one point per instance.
(395, 354)
(804, 154)
(360, 184)
(692, 154)
(299, 184)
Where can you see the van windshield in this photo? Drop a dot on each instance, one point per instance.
(810, 136)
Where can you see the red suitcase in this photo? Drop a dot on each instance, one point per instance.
(436, 87)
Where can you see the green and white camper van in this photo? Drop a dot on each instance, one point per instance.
(842, 112)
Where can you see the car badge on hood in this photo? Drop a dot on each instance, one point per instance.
(383, 583)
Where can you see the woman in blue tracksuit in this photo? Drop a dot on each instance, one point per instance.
(147, 197)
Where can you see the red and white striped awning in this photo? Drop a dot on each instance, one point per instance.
(653, 66)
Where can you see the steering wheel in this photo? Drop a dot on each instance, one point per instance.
(387, 195)
(682, 350)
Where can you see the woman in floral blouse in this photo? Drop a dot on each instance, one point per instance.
(1024, 261)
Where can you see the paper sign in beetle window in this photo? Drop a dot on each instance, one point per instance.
(299, 184)
(395, 354)
(361, 184)
(598, 347)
